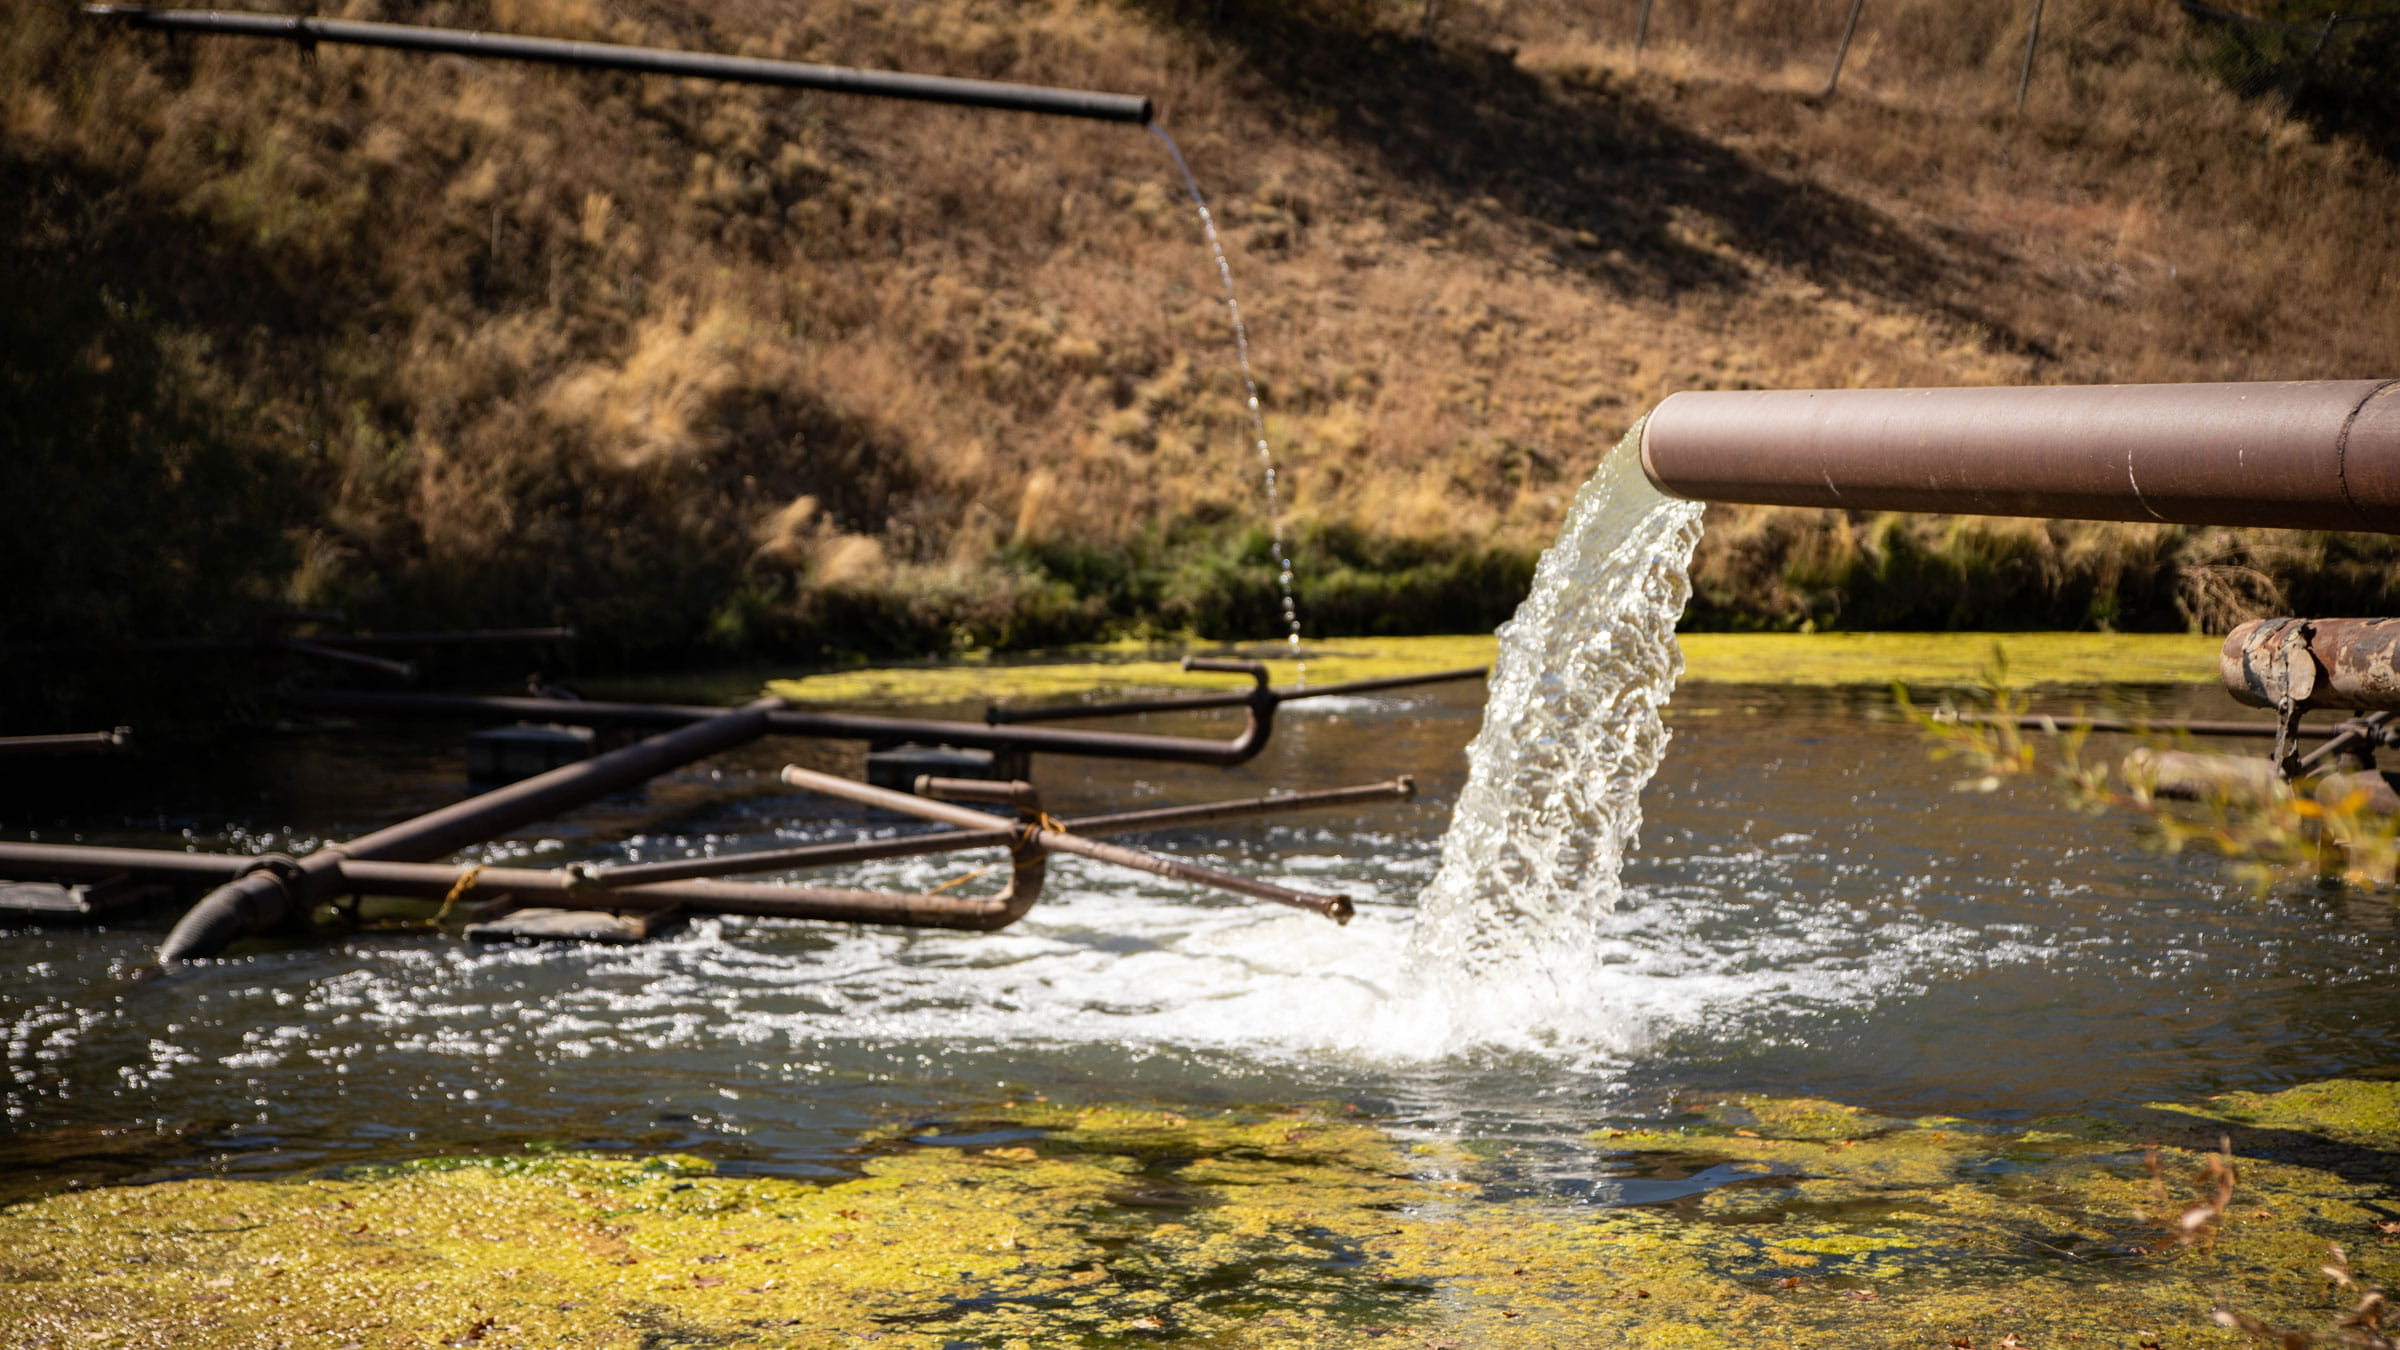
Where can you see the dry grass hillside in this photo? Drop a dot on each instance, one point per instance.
(750, 372)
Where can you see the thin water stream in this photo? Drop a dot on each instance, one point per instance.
(1255, 409)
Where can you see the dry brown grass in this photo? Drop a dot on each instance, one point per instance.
(800, 374)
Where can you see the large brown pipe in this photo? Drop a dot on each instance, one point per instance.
(2315, 663)
(2303, 454)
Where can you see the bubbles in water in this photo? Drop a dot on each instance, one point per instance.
(1508, 930)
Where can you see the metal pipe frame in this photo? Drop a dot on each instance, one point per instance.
(2309, 454)
(1261, 701)
(949, 841)
(561, 889)
(1334, 907)
(310, 32)
(999, 716)
(274, 889)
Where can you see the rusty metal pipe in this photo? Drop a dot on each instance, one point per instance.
(2315, 663)
(264, 898)
(828, 726)
(2059, 722)
(566, 890)
(1063, 712)
(557, 888)
(1334, 907)
(2309, 454)
(949, 841)
(92, 860)
(494, 813)
(309, 32)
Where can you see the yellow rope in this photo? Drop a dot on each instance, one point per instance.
(963, 880)
(1042, 822)
(458, 888)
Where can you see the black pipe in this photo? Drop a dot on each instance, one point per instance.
(1260, 700)
(641, 60)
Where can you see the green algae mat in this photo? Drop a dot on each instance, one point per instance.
(1802, 1224)
(1823, 659)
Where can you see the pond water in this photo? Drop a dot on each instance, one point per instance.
(1812, 909)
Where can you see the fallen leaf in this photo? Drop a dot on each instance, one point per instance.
(707, 1281)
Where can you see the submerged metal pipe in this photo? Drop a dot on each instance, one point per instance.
(268, 896)
(640, 60)
(2305, 454)
(1066, 712)
(948, 841)
(1334, 907)
(1260, 700)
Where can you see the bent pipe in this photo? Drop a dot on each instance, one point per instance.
(309, 32)
(1260, 701)
(2304, 454)
(264, 898)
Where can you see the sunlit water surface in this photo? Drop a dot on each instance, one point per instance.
(1811, 909)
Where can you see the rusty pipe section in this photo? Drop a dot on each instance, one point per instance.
(1260, 701)
(948, 841)
(276, 888)
(2305, 454)
(1044, 835)
(2313, 663)
(998, 716)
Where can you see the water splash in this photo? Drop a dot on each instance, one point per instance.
(1571, 734)
(1258, 417)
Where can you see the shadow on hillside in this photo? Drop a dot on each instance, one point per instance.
(1464, 121)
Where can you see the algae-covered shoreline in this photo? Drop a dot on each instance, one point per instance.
(1808, 659)
(1030, 1224)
